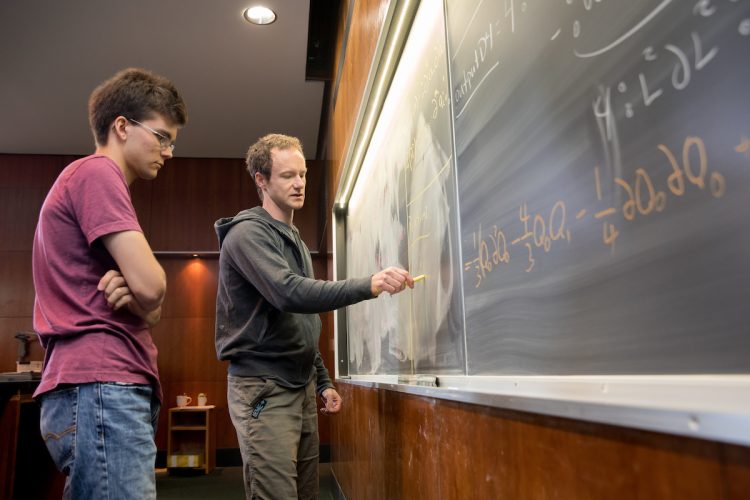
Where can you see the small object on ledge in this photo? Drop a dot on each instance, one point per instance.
(20, 376)
(202, 399)
(420, 380)
(24, 338)
(28, 366)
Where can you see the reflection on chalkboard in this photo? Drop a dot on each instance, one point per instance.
(603, 171)
(403, 212)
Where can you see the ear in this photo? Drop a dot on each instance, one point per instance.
(260, 181)
(119, 127)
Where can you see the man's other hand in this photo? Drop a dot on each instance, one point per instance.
(332, 401)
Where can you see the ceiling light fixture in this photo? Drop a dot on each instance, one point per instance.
(259, 15)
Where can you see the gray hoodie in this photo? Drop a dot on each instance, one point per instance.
(267, 324)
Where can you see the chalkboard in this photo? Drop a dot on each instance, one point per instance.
(403, 212)
(573, 177)
(603, 159)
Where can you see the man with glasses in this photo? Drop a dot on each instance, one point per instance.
(99, 289)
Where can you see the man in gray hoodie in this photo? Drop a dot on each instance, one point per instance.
(267, 326)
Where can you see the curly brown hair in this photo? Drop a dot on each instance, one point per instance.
(259, 154)
(135, 94)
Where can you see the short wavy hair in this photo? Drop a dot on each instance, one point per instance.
(259, 154)
(135, 94)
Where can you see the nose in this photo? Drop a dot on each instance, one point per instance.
(167, 153)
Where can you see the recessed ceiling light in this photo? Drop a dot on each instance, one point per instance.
(259, 15)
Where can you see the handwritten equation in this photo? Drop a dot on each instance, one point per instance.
(690, 171)
(432, 84)
(484, 57)
(683, 58)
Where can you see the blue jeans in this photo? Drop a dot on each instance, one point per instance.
(101, 436)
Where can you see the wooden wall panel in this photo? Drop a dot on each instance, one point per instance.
(188, 196)
(367, 21)
(308, 220)
(393, 445)
(188, 365)
(357, 446)
(737, 459)
(23, 204)
(191, 287)
(325, 346)
(17, 289)
(24, 182)
(186, 352)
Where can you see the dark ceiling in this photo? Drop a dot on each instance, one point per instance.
(240, 81)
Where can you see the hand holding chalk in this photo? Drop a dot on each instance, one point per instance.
(391, 280)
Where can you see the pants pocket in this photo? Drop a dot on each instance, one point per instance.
(57, 424)
(246, 393)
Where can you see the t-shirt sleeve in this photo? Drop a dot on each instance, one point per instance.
(100, 198)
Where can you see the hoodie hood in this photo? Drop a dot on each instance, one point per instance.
(223, 225)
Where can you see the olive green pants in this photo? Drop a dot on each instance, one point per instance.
(277, 429)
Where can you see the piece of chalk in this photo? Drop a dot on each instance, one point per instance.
(419, 278)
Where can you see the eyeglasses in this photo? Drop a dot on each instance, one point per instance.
(164, 141)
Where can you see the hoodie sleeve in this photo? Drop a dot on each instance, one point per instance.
(256, 251)
(323, 380)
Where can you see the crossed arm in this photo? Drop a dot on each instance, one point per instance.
(119, 295)
(140, 284)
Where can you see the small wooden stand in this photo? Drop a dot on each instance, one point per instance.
(191, 441)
